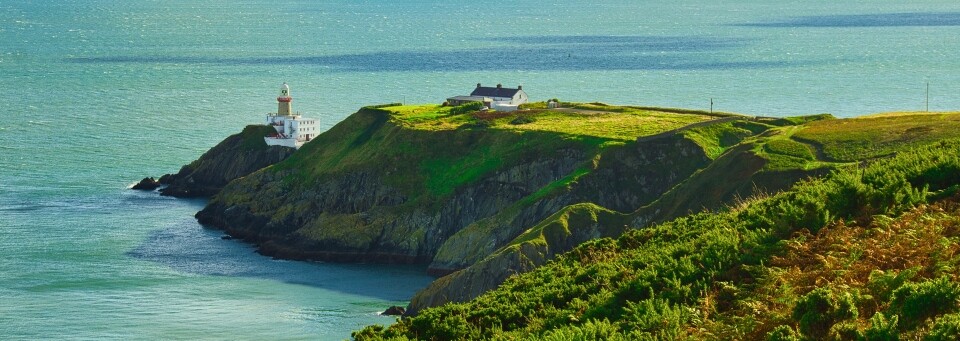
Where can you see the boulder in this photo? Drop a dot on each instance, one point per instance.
(147, 184)
(394, 311)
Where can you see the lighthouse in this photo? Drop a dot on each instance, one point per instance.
(284, 101)
(292, 129)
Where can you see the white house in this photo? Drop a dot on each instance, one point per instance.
(293, 130)
(498, 98)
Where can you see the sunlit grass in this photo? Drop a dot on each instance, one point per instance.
(614, 123)
(878, 135)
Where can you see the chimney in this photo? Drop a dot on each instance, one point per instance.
(519, 87)
(499, 85)
(478, 85)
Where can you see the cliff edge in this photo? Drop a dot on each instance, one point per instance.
(236, 156)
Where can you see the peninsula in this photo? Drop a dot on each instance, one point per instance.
(483, 196)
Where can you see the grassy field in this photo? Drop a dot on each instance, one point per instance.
(607, 122)
(873, 136)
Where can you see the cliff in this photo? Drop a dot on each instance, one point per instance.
(236, 156)
(481, 196)
(372, 190)
(466, 192)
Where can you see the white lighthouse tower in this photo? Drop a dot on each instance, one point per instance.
(284, 101)
(293, 130)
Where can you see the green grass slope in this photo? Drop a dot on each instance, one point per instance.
(879, 135)
(861, 253)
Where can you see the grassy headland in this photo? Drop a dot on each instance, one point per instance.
(486, 196)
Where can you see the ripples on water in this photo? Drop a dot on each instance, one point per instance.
(97, 94)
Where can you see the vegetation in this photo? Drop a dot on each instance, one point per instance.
(466, 108)
(868, 137)
(717, 138)
(863, 253)
(868, 252)
(252, 137)
(374, 135)
(612, 123)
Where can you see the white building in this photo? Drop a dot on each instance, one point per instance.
(498, 98)
(293, 130)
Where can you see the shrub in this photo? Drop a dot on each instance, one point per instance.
(522, 119)
(846, 330)
(783, 333)
(882, 329)
(915, 302)
(656, 317)
(881, 284)
(820, 309)
(946, 328)
(466, 108)
(591, 330)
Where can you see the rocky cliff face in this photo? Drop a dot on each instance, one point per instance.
(622, 178)
(234, 157)
(359, 194)
(561, 232)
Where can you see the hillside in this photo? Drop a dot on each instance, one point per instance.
(481, 196)
(863, 253)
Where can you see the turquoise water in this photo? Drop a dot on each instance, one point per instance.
(96, 94)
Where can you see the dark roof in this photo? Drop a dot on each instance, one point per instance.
(494, 92)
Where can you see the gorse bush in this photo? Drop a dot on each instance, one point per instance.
(783, 333)
(915, 302)
(818, 311)
(882, 328)
(856, 254)
(522, 119)
(882, 284)
(946, 328)
(466, 108)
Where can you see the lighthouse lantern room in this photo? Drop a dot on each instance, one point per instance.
(293, 130)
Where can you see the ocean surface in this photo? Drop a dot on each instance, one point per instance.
(96, 94)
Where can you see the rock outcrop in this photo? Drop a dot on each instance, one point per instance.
(234, 157)
(394, 311)
(147, 184)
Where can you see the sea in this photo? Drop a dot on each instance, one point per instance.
(97, 94)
